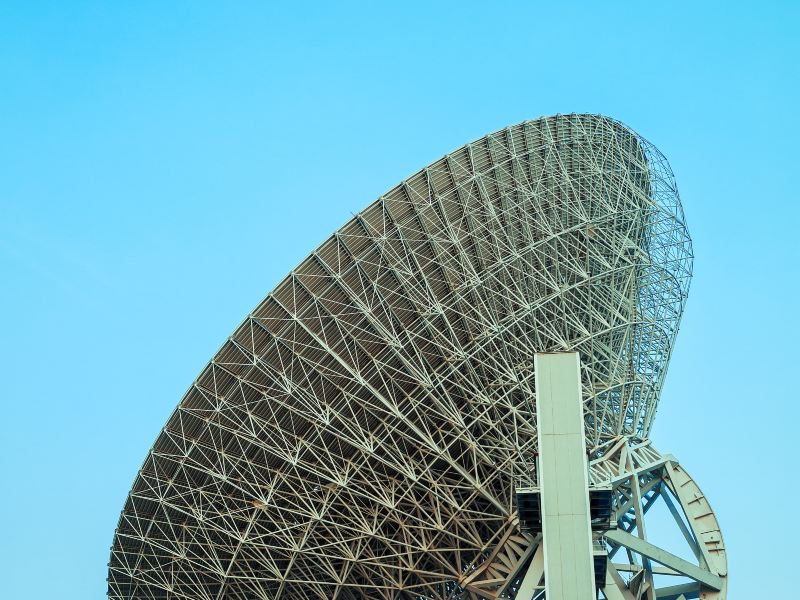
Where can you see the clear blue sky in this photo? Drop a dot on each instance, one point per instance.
(162, 167)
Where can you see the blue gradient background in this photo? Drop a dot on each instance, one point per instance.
(162, 168)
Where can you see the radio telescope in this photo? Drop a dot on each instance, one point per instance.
(384, 424)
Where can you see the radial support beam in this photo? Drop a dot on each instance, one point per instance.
(563, 478)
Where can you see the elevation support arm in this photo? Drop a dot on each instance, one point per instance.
(563, 478)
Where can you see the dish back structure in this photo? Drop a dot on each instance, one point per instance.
(359, 435)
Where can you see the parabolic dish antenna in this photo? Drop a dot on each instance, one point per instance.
(371, 428)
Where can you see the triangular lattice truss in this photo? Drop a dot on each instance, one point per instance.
(359, 435)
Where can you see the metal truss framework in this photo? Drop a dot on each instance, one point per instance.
(361, 433)
(639, 478)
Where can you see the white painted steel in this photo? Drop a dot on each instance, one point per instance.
(563, 478)
(361, 434)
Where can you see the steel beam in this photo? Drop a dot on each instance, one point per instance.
(563, 478)
(684, 591)
(533, 577)
(665, 558)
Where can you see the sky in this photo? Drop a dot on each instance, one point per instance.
(164, 165)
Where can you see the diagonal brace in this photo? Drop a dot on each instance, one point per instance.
(665, 558)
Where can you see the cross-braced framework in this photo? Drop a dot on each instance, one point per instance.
(631, 567)
(361, 433)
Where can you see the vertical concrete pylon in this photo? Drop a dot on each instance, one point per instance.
(563, 478)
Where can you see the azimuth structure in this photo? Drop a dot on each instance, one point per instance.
(363, 432)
